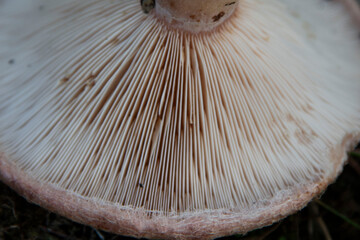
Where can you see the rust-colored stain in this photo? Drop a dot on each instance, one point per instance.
(218, 17)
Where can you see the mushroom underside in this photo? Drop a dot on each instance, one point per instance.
(137, 222)
(117, 120)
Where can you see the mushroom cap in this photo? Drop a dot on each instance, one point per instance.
(116, 119)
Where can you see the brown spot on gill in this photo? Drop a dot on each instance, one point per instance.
(90, 83)
(305, 136)
(65, 79)
(218, 17)
(229, 4)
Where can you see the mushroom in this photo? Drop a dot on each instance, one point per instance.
(201, 119)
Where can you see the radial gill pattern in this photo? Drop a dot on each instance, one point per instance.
(103, 100)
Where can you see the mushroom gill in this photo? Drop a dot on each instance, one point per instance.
(140, 126)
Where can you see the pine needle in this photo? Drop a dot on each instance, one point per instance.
(333, 211)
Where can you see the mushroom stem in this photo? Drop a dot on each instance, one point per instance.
(195, 15)
(354, 10)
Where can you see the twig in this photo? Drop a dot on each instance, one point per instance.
(354, 154)
(324, 228)
(333, 211)
(315, 211)
(355, 165)
(8, 228)
(55, 233)
(263, 235)
(99, 234)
